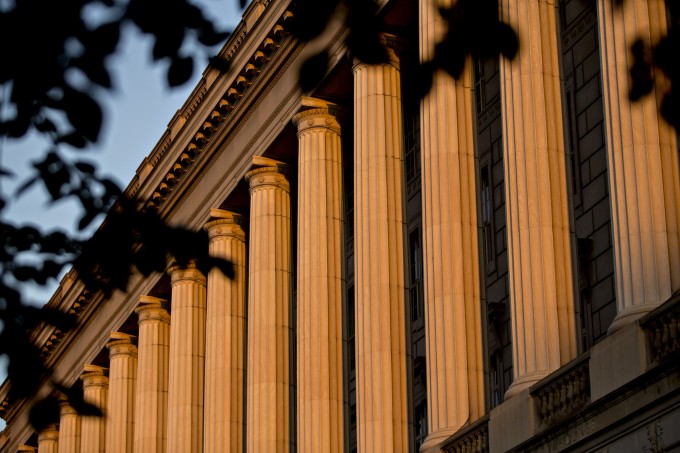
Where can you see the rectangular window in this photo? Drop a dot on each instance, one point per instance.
(351, 351)
(412, 150)
(416, 276)
(487, 219)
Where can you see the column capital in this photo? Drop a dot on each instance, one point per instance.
(152, 309)
(65, 408)
(225, 224)
(48, 434)
(394, 47)
(317, 114)
(185, 273)
(268, 172)
(122, 344)
(94, 376)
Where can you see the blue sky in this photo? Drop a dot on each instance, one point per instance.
(136, 115)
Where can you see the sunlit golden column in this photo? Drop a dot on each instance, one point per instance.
(382, 405)
(268, 377)
(69, 429)
(643, 165)
(187, 360)
(122, 383)
(225, 337)
(95, 392)
(539, 250)
(151, 405)
(319, 279)
(48, 440)
(453, 328)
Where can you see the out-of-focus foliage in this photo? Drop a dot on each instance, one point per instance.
(53, 72)
(53, 61)
(662, 56)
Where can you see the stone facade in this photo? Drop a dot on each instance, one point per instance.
(493, 269)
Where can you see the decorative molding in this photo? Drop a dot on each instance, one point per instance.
(94, 376)
(122, 344)
(317, 118)
(196, 101)
(221, 111)
(231, 225)
(564, 392)
(49, 434)
(471, 439)
(229, 54)
(188, 273)
(662, 327)
(268, 176)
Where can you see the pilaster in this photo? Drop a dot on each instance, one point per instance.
(95, 392)
(539, 250)
(382, 407)
(268, 381)
(643, 166)
(225, 337)
(69, 429)
(153, 346)
(48, 440)
(319, 279)
(122, 383)
(186, 360)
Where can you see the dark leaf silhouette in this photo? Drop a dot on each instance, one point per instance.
(84, 113)
(44, 413)
(48, 40)
(180, 71)
(75, 139)
(313, 70)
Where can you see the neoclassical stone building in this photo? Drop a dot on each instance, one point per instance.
(493, 269)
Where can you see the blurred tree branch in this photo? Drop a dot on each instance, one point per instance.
(50, 71)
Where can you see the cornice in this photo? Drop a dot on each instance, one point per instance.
(230, 100)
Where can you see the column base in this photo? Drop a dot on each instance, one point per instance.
(433, 441)
(513, 422)
(525, 382)
(617, 359)
(630, 315)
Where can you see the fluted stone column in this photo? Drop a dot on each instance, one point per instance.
(319, 280)
(539, 253)
(151, 405)
(95, 391)
(268, 387)
(225, 337)
(48, 440)
(120, 427)
(69, 429)
(643, 166)
(453, 327)
(382, 407)
(187, 360)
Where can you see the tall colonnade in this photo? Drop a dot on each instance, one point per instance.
(211, 370)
